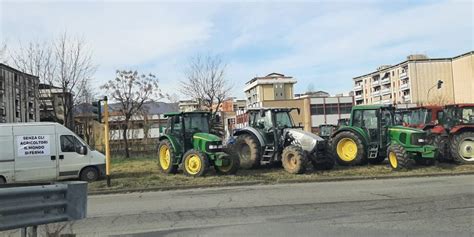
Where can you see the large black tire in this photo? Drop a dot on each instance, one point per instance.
(294, 159)
(441, 143)
(89, 174)
(398, 157)
(231, 168)
(346, 159)
(248, 149)
(322, 163)
(195, 163)
(166, 160)
(2, 180)
(462, 143)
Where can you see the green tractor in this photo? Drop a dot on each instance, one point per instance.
(187, 144)
(372, 135)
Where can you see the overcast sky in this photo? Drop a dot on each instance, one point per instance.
(323, 43)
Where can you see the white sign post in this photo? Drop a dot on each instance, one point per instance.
(33, 145)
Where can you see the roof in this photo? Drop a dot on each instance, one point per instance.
(270, 108)
(361, 107)
(29, 123)
(152, 107)
(182, 113)
(414, 60)
(270, 76)
(16, 70)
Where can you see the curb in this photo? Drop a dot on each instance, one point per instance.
(284, 181)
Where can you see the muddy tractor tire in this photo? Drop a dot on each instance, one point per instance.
(462, 148)
(231, 168)
(442, 151)
(195, 163)
(247, 149)
(348, 149)
(294, 159)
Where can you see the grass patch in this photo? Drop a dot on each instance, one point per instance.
(143, 173)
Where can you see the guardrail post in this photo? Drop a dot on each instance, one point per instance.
(77, 199)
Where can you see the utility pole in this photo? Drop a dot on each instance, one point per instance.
(107, 140)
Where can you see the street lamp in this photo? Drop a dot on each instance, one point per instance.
(438, 85)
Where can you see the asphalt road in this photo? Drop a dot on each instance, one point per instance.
(432, 206)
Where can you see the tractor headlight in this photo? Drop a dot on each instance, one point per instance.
(213, 147)
(421, 140)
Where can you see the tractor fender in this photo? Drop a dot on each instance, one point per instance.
(173, 141)
(461, 128)
(358, 131)
(251, 131)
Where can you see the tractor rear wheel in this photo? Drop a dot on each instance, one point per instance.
(294, 159)
(348, 149)
(398, 157)
(440, 142)
(231, 168)
(195, 163)
(247, 148)
(166, 157)
(462, 148)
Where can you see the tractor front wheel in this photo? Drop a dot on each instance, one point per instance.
(231, 168)
(462, 148)
(398, 157)
(166, 157)
(348, 149)
(195, 163)
(247, 149)
(294, 159)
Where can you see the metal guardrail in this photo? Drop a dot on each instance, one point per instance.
(23, 206)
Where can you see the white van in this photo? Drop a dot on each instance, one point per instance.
(46, 151)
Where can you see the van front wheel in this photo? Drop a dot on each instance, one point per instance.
(89, 174)
(2, 180)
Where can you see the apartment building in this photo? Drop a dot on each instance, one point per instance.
(188, 105)
(414, 81)
(51, 103)
(274, 86)
(18, 96)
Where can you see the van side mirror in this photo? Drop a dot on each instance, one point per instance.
(83, 150)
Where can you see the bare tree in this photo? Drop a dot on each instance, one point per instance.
(205, 82)
(64, 64)
(132, 91)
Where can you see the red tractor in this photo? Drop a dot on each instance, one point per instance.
(451, 128)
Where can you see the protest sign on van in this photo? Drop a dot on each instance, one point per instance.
(33, 145)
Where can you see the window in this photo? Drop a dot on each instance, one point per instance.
(345, 108)
(365, 118)
(317, 109)
(332, 109)
(70, 143)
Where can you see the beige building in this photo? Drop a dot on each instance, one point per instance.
(18, 96)
(414, 81)
(273, 86)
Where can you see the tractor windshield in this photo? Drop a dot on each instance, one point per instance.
(194, 123)
(283, 119)
(455, 115)
(420, 116)
(467, 115)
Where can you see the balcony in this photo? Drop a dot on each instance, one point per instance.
(358, 97)
(404, 86)
(387, 101)
(386, 91)
(358, 88)
(385, 81)
(403, 75)
(406, 98)
(376, 93)
(376, 83)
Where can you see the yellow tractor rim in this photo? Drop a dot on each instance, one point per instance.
(193, 164)
(165, 157)
(347, 149)
(393, 159)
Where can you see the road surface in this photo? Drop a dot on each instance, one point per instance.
(432, 206)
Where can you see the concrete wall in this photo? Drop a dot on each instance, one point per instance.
(425, 75)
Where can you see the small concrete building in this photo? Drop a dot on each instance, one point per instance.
(18, 96)
(274, 86)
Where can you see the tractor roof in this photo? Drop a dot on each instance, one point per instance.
(461, 105)
(183, 113)
(271, 108)
(435, 107)
(367, 107)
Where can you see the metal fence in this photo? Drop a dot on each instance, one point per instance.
(35, 205)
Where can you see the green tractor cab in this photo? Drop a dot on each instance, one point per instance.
(372, 135)
(188, 143)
